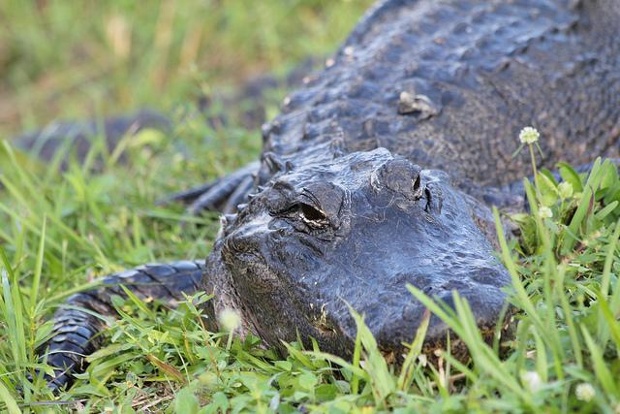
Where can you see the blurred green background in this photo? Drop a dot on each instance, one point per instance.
(80, 59)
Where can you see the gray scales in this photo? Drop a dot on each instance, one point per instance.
(337, 212)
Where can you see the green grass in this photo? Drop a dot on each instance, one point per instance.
(67, 59)
(63, 229)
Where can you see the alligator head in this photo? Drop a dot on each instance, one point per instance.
(354, 231)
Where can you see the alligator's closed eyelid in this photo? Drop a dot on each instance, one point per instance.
(326, 197)
(314, 200)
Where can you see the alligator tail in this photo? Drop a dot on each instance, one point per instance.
(77, 323)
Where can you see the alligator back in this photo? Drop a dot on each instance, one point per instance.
(449, 84)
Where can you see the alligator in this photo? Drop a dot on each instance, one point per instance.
(381, 171)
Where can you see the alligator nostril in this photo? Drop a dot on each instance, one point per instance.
(401, 176)
(434, 199)
(416, 184)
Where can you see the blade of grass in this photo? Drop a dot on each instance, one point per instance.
(603, 374)
(357, 356)
(592, 183)
(568, 315)
(609, 259)
(382, 382)
(10, 404)
(12, 309)
(521, 295)
(36, 279)
(407, 372)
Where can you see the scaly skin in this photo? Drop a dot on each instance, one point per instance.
(449, 84)
(481, 71)
(332, 219)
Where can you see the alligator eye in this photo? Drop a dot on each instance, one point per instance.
(309, 213)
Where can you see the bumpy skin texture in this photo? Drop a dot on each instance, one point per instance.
(340, 214)
(480, 70)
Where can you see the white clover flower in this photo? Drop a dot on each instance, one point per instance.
(565, 189)
(544, 212)
(585, 392)
(532, 380)
(229, 319)
(423, 360)
(529, 135)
